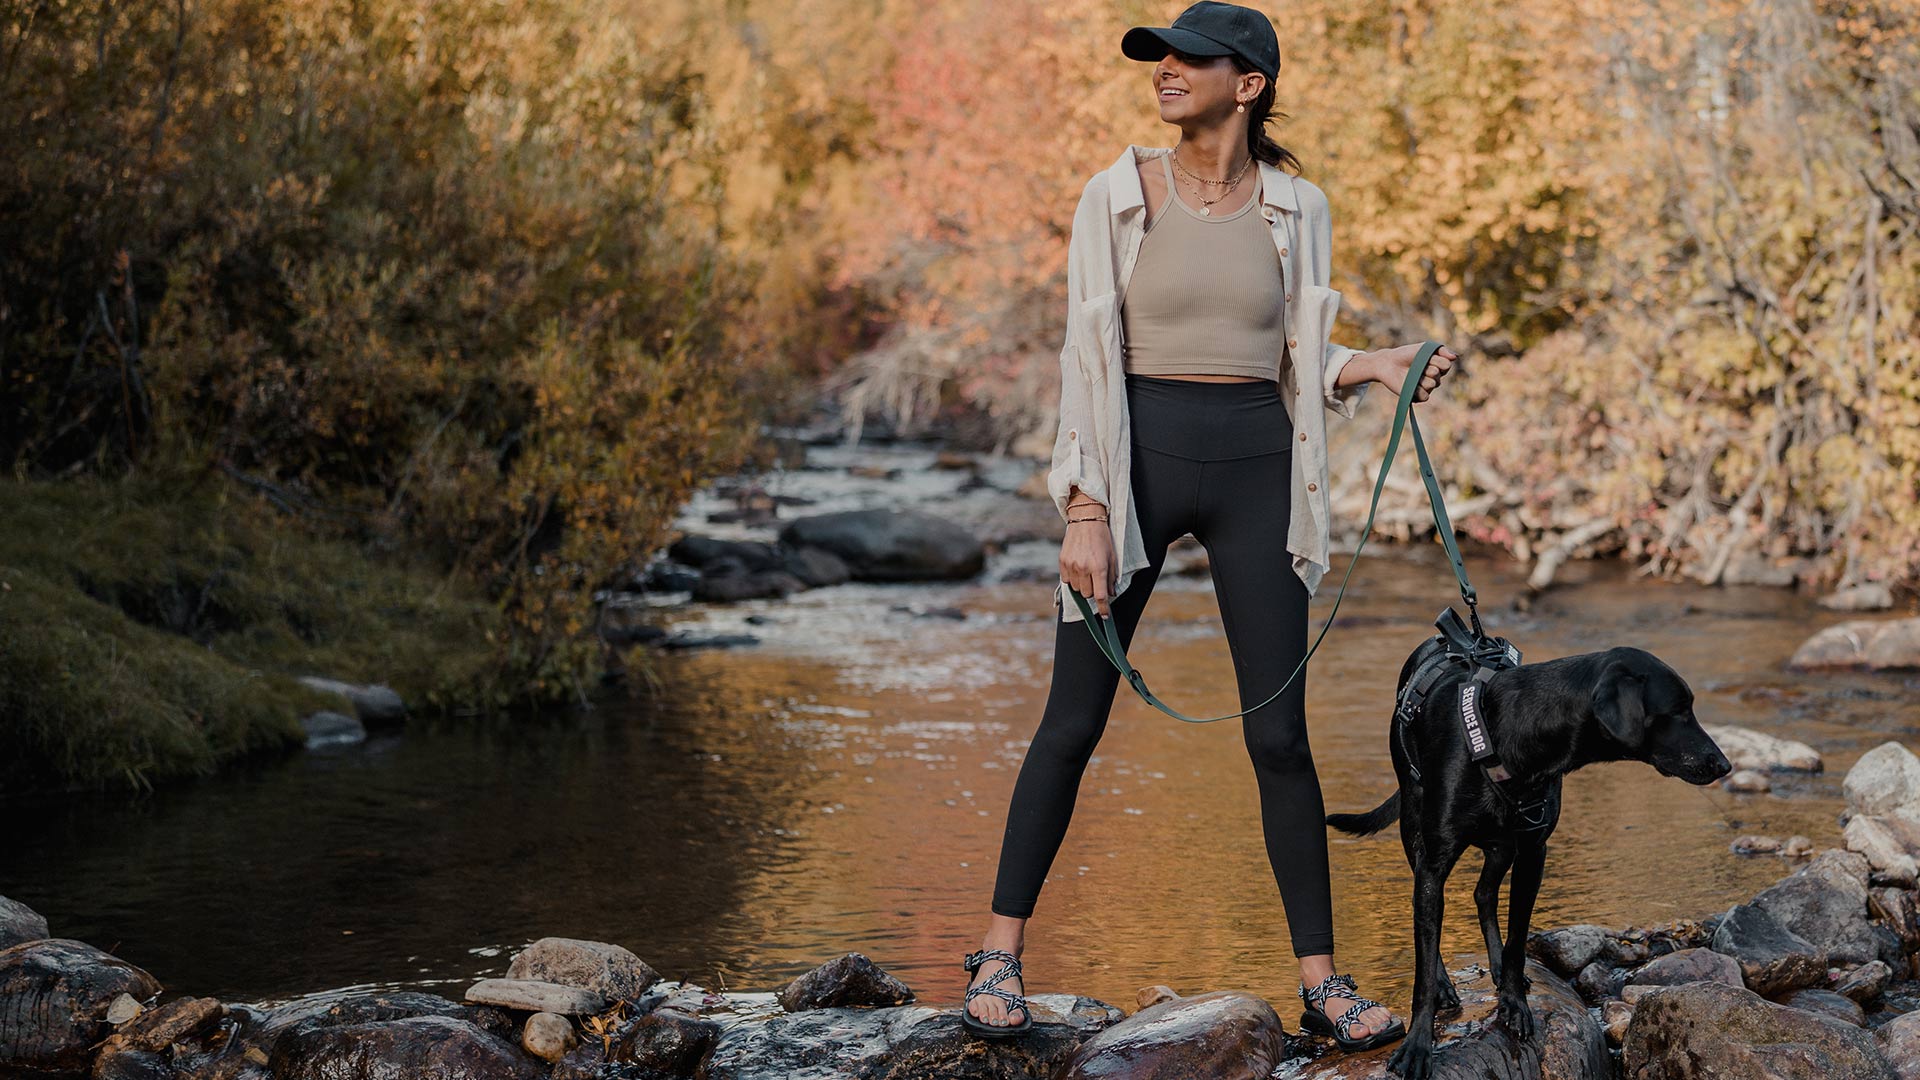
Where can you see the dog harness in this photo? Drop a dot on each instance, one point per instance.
(1458, 649)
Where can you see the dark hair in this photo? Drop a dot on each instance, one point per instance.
(1259, 112)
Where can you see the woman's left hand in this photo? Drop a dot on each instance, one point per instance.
(1392, 365)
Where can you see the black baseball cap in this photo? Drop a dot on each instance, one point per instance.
(1210, 29)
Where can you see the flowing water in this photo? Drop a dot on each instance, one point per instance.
(842, 786)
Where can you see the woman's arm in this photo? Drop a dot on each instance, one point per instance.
(1077, 476)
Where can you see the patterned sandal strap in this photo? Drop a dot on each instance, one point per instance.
(1344, 1025)
(1336, 985)
(975, 959)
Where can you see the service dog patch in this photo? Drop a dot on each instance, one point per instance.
(1477, 742)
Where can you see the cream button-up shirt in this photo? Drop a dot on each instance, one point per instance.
(1093, 449)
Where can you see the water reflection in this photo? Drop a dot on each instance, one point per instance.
(842, 786)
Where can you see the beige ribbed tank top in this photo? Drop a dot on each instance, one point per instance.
(1206, 296)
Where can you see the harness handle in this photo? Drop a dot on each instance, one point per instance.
(1106, 636)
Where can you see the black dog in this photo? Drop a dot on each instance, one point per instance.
(1544, 720)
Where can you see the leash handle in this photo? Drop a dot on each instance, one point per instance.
(1106, 636)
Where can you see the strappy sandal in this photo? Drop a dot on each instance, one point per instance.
(989, 986)
(1317, 1021)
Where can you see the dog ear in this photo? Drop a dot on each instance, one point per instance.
(1618, 705)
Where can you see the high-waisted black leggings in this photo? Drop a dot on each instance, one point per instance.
(1213, 459)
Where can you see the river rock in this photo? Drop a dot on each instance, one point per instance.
(1887, 844)
(19, 923)
(705, 553)
(1709, 1029)
(610, 971)
(1797, 846)
(1899, 1040)
(533, 995)
(261, 1027)
(1898, 911)
(135, 1051)
(1599, 981)
(1825, 902)
(548, 1036)
(1865, 983)
(1747, 782)
(663, 1042)
(1885, 781)
(1752, 844)
(1568, 1043)
(1687, 965)
(901, 1041)
(1749, 749)
(847, 980)
(1221, 1034)
(817, 566)
(1873, 644)
(1866, 596)
(1814, 999)
(1771, 959)
(419, 1046)
(375, 705)
(54, 996)
(1567, 949)
(892, 545)
(724, 584)
(325, 728)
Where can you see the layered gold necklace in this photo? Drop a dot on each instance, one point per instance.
(1206, 204)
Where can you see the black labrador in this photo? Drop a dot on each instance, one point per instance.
(1545, 720)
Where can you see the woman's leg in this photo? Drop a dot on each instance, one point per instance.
(1078, 703)
(1244, 515)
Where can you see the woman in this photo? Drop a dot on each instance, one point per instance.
(1195, 371)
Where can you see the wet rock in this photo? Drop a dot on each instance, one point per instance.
(548, 1036)
(54, 996)
(1599, 981)
(1569, 948)
(1826, 1002)
(1872, 644)
(1755, 845)
(1149, 996)
(728, 585)
(436, 1046)
(817, 567)
(332, 729)
(1797, 847)
(1224, 1034)
(133, 1065)
(375, 705)
(534, 995)
(705, 553)
(1825, 902)
(1749, 749)
(334, 1007)
(608, 970)
(1614, 1018)
(707, 641)
(1867, 596)
(1865, 983)
(1771, 958)
(665, 1042)
(136, 1050)
(1899, 1041)
(19, 923)
(1898, 911)
(1747, 782)
(847, 980)
(1568, 1043)
(891, 545)
(901, 1041)
(1709, 1029)
(1886, 780)
(1687, 965)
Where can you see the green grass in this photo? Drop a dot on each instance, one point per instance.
(154, 629)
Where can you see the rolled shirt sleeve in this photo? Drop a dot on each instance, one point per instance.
(1076, 452)
(1343, 400)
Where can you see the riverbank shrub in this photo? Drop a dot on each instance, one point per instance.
(441, 280)
(154, 626)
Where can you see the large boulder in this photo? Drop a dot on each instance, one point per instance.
(1221, 1034)
(1825, 902)
(892, 545)
(1709, 1029)
(1885, 781)
(610, 971)
(19, 923)
(1687, 965)
(54, 996)
(418, 1046)
(1772, 959)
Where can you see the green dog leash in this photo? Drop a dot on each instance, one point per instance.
(1107, 637)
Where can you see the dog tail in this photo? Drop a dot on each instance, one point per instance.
(1370, 822)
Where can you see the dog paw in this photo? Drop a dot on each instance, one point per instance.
(1516, 1016)
(1413, 1061)
(1445, 996)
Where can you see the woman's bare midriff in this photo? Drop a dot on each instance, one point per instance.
(1213, 378)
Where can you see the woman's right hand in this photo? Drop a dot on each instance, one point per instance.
(1087, 562)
